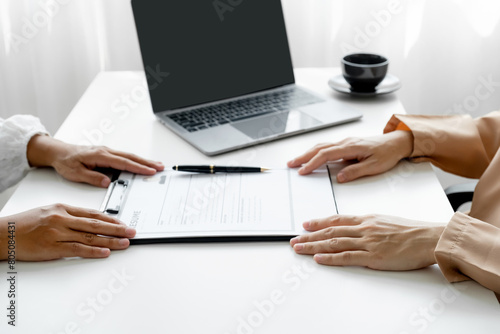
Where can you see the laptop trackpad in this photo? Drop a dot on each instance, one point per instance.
(276, 124)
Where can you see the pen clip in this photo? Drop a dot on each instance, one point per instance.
(114, 197)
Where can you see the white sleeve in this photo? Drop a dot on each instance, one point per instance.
(15, 134)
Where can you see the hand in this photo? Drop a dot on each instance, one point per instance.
(58, 231)
(374, 155)
(375, 241)
(76, 163)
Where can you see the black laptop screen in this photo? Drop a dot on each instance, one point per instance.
(199, 51)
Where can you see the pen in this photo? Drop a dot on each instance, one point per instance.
(218, 169)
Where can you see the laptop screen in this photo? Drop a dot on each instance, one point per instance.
(200, 51)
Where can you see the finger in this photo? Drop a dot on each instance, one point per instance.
(333, 245)
(125, 164)
(328, 233)
(91, 177)
(297, 162)
(357, 170)
(335, 220)
(72, 249)
(349, 258)
(92, 239)
(149, 163)
(96, 226)
(90, 213)
(328, 154)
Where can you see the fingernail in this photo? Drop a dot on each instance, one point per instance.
(341, 177)
(105, 182)
(105, 251)
(293, 241)
(306, 225)
(301, 170)
(318, 257)
(299, 247)
(123, 242)
(291, 162)
(130, 232)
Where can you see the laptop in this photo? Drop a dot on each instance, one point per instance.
(220, 73)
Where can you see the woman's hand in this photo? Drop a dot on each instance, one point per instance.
(58, 231)
(77, 163)
(375, 241)
(374, 155)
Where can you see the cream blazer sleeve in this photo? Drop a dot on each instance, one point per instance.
(15, 134)
(469, 247)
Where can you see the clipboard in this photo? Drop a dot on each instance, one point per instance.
(186, 207)
(114, 197)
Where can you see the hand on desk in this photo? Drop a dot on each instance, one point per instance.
(76, 163)
(377, 241)
(374, 241)
(58, 231)
(374, 155)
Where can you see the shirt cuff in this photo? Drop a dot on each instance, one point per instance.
(15, 134)
(448, 245)
(29, 127)
(429, 131)
(469, 249)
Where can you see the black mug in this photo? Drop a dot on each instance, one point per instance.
(364, 71)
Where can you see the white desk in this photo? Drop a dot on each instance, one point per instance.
(235, 287)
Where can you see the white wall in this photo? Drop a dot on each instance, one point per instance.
(443, 51)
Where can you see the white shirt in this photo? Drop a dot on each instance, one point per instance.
(15, 133)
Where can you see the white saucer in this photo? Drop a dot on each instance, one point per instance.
(388, 85)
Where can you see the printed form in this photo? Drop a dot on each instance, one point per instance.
(175, 204)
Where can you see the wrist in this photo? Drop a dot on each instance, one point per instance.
(42, 151)
(403, 140)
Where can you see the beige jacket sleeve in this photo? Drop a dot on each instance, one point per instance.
(469, 247)
(457, 144)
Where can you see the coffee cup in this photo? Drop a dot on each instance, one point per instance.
(364, 71)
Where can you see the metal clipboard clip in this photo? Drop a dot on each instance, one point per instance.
(114, 197)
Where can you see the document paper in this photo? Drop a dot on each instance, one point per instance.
(175, 204)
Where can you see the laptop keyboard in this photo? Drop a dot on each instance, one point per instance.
(206, 117)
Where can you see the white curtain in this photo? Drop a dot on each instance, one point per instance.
(50, 50)
(441, 50)
(445, 52)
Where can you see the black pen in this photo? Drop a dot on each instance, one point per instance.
(210, 169)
